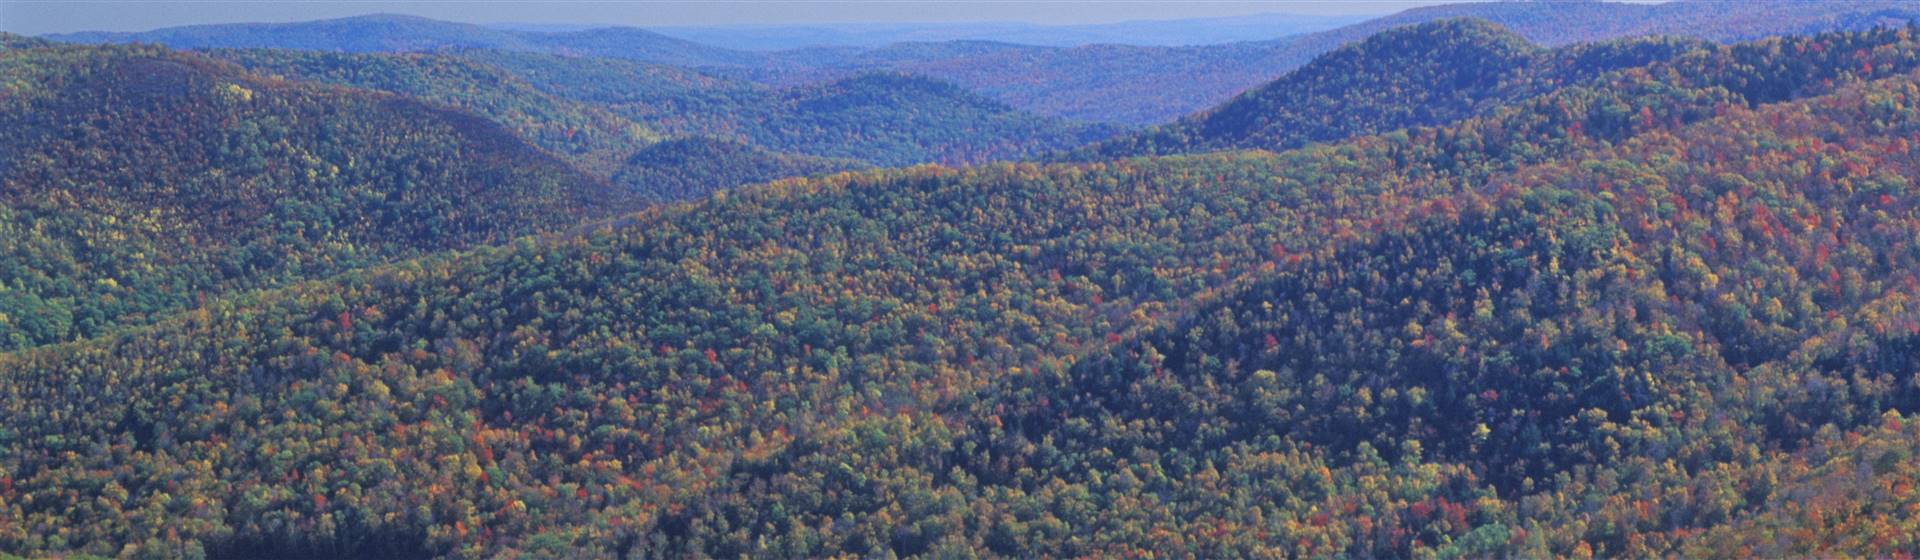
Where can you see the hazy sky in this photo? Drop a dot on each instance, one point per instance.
(52, 16)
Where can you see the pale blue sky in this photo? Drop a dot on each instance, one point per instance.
(35, 17)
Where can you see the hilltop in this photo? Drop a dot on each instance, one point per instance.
(139, 179)
(589, 136)
(1419, 75)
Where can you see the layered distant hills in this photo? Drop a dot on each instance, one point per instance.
(1112, 83)
(1447, 290)
(1179, 32)
(598, 113)
(883, 118)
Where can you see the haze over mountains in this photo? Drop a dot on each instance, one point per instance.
(1094, 83)
(1532, 284)
(1166, 33)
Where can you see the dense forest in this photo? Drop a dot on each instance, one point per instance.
(590, 136)
(1563, 23)
(884, 119)
(1627, 299)
(1124, 84)
(695, 167)
(137, 180)
(598, 113)
(1443, 72)
(1128, 84)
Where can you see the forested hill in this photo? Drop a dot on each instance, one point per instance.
(899, 119)
(645, 46)
(1565, 23)
(1664, 312)
(879, 118)
(13, 41)
(401, 33)
(372, 33)
(1120, 84)
(689, 168)
(1411, 76)
(602, 114)
(137, 180)
(587, 135)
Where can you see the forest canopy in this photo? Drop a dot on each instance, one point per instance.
(1638, 298)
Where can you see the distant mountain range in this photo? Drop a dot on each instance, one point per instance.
(878, 117)
(1163, 33)
(401, 32)
(1124, 84)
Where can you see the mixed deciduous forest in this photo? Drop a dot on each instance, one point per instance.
(1448, 290)
(1121, 83)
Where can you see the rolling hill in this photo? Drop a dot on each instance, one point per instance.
(1665, 310)
(1448, 70)
(138, 180)
(1104, 83)
(1564, 23)
(1177, 32)
(13, 41)
(691, 168)
(877, 118)
(589, 136)
(402, 33)
(1122, 84)
(602, 114)
(370, 33)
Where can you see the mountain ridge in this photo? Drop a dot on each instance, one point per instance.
(1449, 70)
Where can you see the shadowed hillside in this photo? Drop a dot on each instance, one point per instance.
(138, 180)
